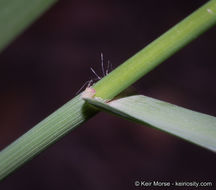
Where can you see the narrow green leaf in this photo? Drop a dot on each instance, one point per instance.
(17, 15)
(193, 126)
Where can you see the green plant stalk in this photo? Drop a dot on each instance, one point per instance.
(76, 111)
(51, 129)
(157, 51)
(16, 15)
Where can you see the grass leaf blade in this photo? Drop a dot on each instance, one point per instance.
(192, 126)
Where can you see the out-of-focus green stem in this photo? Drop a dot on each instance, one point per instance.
(75, 111)
(17, 15)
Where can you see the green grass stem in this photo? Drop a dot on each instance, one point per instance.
(17, 15)
(157, 51)
(51, 129)
(75, 111)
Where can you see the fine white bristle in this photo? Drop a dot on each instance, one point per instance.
(102, 64)
(95, 73)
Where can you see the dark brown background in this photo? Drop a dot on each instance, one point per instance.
(50, 61)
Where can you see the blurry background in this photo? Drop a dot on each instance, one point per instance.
(45, 66)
